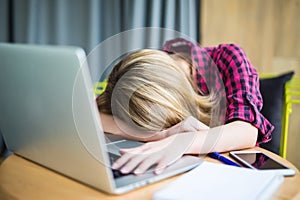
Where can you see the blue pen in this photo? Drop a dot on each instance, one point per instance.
(226, 161)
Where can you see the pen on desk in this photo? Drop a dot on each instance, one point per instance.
(226, 161)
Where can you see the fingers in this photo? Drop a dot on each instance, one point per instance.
(146, 164)
(128, 164)
(139, 164)
(127, 155)
(161, 153)
(131, 158)
(161, 167)
(136, 163)
(139, 159)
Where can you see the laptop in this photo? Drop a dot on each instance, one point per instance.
(49, 116)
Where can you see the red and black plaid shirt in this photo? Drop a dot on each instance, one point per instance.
(226, 68)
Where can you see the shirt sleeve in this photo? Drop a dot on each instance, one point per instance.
(241, 81)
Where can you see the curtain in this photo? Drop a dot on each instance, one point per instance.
(88, 23)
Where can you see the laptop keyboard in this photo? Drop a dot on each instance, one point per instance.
(117, 173)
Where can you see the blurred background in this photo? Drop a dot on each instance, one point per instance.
(268, 30)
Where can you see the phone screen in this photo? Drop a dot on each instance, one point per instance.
(260, 161)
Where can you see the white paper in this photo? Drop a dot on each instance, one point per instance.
(219, 181)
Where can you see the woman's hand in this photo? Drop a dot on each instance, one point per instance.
(161, 153)
(171, 145)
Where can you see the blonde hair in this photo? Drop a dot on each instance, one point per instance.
(148, 88)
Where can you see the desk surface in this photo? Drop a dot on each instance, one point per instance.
(21, 179)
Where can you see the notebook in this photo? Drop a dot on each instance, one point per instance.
(48, 115)
(218, 181)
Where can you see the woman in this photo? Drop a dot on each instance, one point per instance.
(170, 100)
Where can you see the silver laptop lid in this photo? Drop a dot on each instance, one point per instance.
(48, 113)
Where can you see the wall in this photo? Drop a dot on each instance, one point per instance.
(268, 31)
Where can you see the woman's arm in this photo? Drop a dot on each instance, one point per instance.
(232, 136)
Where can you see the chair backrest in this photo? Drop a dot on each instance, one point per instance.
(292, 96)
(272, 88)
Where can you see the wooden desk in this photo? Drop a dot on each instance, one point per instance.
(21, 179)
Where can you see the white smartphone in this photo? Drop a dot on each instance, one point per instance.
(259, 161)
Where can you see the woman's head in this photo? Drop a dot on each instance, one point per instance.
(151, 89)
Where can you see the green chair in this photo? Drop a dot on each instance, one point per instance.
(279, 92)
(291, 96)
(100, 87)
